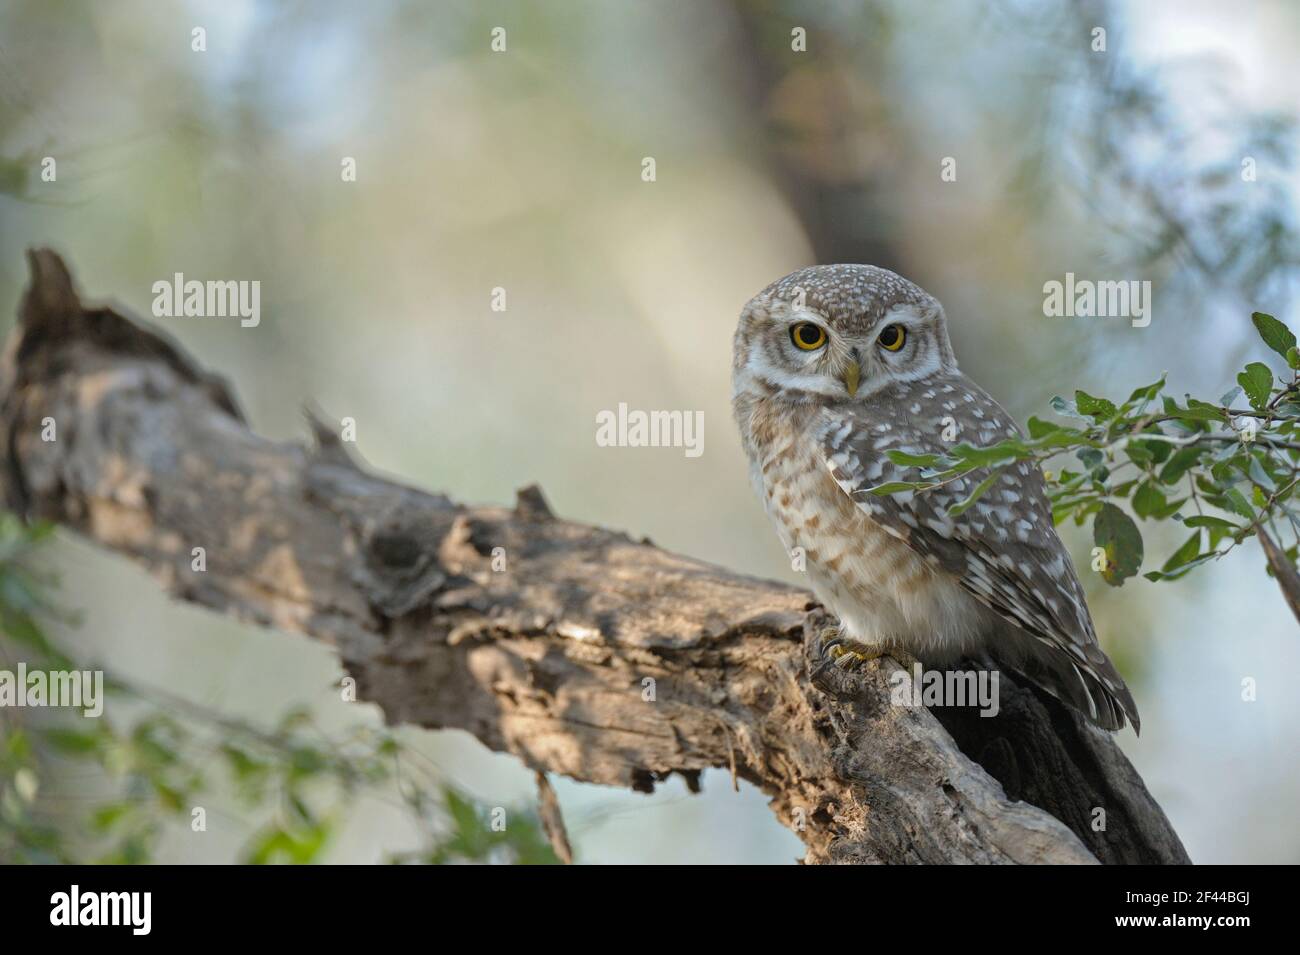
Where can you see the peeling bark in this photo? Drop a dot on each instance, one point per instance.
(587, 653)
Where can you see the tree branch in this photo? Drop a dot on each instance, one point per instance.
(578, 649)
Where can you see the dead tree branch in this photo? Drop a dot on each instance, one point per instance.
(582, 652)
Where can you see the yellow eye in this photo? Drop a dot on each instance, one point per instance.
(808, 336)
(892, 338)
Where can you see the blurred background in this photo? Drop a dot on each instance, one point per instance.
(523, 170)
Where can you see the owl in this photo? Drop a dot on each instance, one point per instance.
(834, 367)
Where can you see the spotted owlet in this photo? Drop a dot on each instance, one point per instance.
(837, 365)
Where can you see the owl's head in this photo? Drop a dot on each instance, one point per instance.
(844, 331)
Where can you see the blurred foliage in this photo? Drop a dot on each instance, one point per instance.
(162, 766)
(1198, 195)
(1221, 470)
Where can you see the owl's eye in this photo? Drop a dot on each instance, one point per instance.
(808, 336)
(892, 338)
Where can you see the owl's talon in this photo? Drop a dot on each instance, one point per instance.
(847, 659)
(827, 640)
(842, 653)
(827, 643)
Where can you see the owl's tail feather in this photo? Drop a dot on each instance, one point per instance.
(1095, 689)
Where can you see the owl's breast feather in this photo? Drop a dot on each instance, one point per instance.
(876, 584)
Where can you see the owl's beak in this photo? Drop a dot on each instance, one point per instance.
(850, 378)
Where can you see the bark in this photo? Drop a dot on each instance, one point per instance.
(578, 649)
(1283, 571)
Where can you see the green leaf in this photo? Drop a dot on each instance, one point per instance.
(1217, 526)
(14, 176)
(1158, 451)
(283, 845)
(17, 746)
(24, 630)
(73, 742)
(892, 487)
(1206, 520)
(1099, 409)
(463, 812)
(306, 761)
(1066, 408)
(1147, 392)
(1238, 504)
(961, 506)
(1181, 558)
(1038, 428)
(1211, 412)
(1115, 532)
(1148, 500)
(1139, 454)
(1124, 488)
(1169, 510)
(1259, 475)
(1276, 335)
(169, 797)
(1060, 438)
(1091, 457)
(913, 460)
(1257, 381)
(970, 456)
(1194, 412)
(1182, 461)
(243, 765)
(108, 815)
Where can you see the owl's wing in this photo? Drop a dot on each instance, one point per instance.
(1003, 549)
